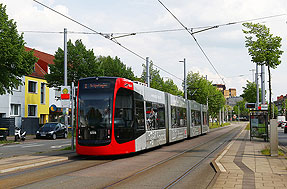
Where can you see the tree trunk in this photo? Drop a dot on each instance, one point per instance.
(269, 74)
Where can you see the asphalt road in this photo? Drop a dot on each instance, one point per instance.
(282, 137)
(32, 147)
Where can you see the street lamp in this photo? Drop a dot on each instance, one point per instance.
(184, 73)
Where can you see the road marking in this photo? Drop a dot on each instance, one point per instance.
(60, 146)
(29, 146)
(33, 165)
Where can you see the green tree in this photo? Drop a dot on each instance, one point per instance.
(15, 62)
(249, 92)
(200, 89)
(283, 107)
(197, 87)
(170, 87)
(216, 101)
(81, 63)
(275, 110)
(263, 48)
(240, 110)
(114, 67)
(156, 81)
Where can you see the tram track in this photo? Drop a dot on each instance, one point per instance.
(37, 174)
(28, 178)
(188, 171)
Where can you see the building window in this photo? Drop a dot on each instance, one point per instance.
(15, 110)
(32, 110)
(43, 88)
(32, 86)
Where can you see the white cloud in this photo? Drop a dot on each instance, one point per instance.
(224, 46)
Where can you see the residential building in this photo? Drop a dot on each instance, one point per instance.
(220, 87)
(279, 103)
(13, 105)
(53, 102)
(226, 92)
(232, 101)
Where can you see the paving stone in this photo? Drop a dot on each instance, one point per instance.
(268, 172)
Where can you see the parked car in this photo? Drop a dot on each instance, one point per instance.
(285, 127)
(283, 124)
(280, 121)
(52, 130)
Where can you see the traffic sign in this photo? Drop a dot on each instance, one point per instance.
(65, 92)
(264, 106)
(250, 105)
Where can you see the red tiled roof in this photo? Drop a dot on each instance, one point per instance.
(41, 55)
(41, 67)
(39, 72)
(44, 58)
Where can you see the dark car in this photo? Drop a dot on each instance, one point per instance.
(52, 130)
(284, 125)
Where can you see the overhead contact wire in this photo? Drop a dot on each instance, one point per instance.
(193, 38)
(103, 35)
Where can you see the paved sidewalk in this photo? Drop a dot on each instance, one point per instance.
(242, 165)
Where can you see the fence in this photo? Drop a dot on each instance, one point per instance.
(8, 123)
(30, 125)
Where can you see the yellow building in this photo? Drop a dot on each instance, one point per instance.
(36, 98)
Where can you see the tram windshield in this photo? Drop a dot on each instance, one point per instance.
(95, 112)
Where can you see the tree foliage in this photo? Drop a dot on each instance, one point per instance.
(249, 92)
(157, 82)
(113, 67)
(263, 48)
(15, 62)
(284, 108)
(200, 89)
(275, 110)
(83, 63)
(239, 109)
(170, 87)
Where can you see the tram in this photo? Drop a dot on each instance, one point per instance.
(118, 116)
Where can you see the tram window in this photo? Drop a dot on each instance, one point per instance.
(155, 115)
(178, 117)
(123, 120)
(204, 118)
(139, 118)
(195, 117)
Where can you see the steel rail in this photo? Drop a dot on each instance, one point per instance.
(166, 160)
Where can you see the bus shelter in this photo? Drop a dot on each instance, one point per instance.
(259, 124)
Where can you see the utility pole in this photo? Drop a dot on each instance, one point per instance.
(73, 107)
(207, 105)
(184, 78)
(65, 71)
(252, 74)
(257, 88)
(147, 72)
(263, 84)
(238, 113)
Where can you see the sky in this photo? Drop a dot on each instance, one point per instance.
(224, 46)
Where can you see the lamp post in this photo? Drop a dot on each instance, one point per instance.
(184, 73)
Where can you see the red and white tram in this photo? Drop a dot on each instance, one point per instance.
(118, 116)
